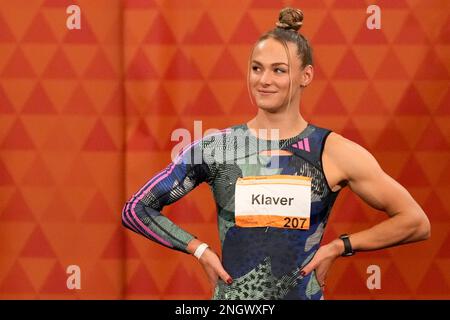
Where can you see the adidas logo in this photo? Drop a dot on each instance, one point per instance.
(303, 144)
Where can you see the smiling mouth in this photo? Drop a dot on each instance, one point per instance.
(266, 93)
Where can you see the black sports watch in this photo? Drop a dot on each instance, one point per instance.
(348, 251)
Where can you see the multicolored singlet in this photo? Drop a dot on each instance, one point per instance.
(264, 261)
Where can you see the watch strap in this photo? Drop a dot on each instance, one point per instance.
(348, 250)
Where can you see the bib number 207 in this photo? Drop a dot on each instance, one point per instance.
(294, 222)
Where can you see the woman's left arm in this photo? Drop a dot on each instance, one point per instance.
(407, 221)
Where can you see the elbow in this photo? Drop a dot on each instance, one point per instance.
(125, 223)
(129, 217)
(423, 228)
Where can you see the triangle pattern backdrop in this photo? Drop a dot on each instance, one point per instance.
(86, 118)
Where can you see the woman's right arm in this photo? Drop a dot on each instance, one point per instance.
(142, 212)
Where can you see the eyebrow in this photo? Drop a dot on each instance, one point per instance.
(273, 64)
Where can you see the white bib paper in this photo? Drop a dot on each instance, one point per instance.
(282, 201)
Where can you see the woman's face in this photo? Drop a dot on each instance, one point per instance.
(269, 74)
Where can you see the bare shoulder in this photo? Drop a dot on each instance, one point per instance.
(349, 158)
(337, 143)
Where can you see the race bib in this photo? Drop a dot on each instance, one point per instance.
(281, 201)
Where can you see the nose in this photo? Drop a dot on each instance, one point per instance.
(266, 78)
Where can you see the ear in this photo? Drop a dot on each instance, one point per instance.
(307, 76)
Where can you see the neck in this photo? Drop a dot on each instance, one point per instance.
(288, 123)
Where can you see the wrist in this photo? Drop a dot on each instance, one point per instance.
(200, 250)
(348, 248)
(193, 245)
(337, 247)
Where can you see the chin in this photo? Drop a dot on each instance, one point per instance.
(268, 107)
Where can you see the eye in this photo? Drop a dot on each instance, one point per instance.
(255, 68)
(280, 70)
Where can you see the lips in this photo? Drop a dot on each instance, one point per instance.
(265, 92)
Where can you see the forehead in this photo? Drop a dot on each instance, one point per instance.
(271, 50)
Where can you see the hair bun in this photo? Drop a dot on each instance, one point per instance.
(290, 19)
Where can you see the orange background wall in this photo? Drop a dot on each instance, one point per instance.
(86, 118)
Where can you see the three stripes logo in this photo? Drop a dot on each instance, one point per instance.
(303, 144)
